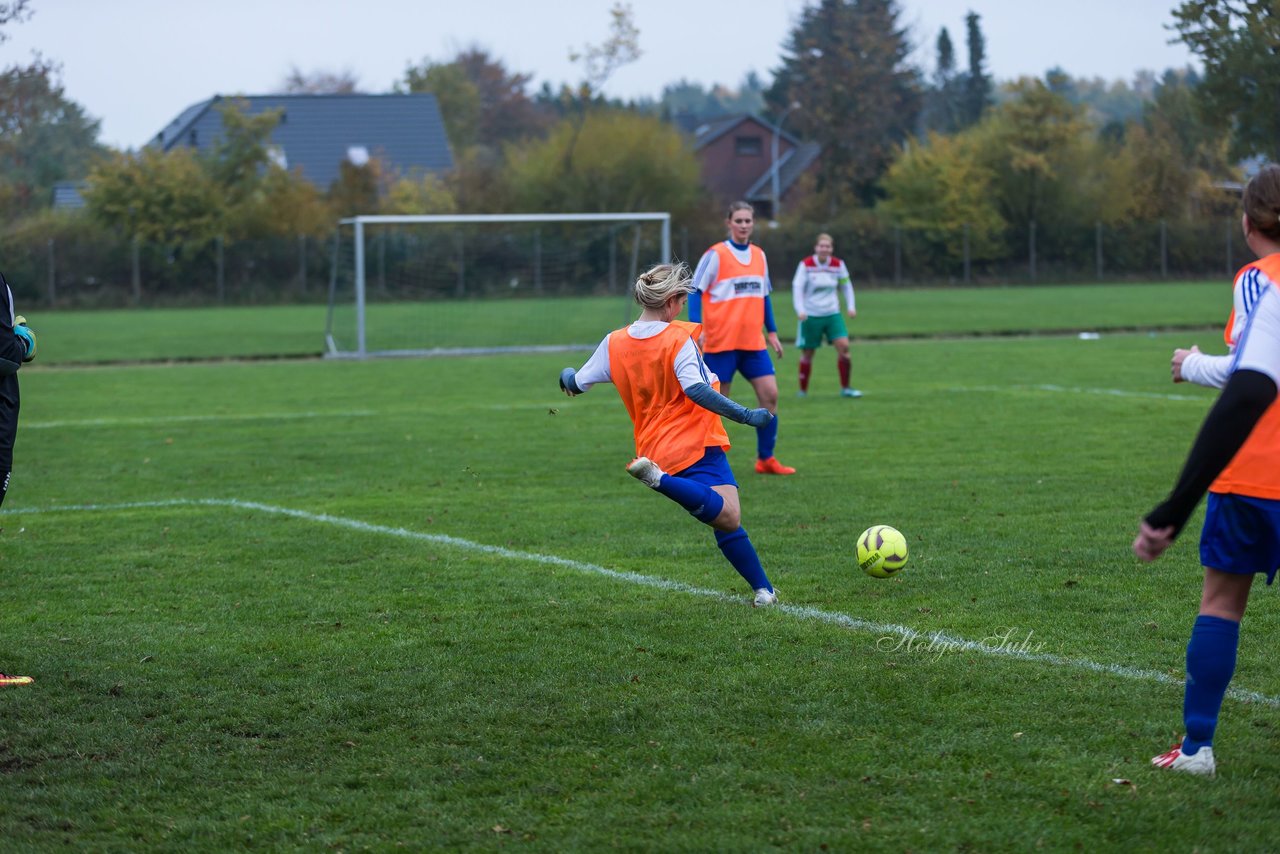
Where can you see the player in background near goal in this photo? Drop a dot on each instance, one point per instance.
(733, 278)
(675, 410)
(815, 291)
(1237, 457)
(17, 345)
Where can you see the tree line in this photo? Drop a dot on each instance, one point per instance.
(972, 169)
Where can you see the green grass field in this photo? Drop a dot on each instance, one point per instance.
(306, 604)
(88, 337)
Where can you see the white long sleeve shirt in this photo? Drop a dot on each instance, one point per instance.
(689, 367)
(1255, 305)
(815, 287)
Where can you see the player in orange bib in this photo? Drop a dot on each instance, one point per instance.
(675, 409)
(1241, 535)
(733, 280)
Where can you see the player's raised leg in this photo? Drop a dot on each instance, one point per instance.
(708, 491)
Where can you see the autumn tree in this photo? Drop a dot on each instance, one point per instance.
(156, 196)
(1033, 142)
(941, 189)
(1172, 157)
(45, 137)
(184, 198)
(481, 102)
(1239, 43)
(622, 161)
(845, 63)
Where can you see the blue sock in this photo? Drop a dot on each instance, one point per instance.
(766, 438)
(738, 549)
(1211, 661)
(703, 502)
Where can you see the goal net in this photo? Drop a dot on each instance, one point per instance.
(486, 283)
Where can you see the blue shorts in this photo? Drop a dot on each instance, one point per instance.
(712, 470)
(750, 363)
(1241, 535)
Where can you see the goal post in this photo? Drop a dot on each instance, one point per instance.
(443, 284)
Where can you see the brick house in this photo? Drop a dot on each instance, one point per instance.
(737, 159)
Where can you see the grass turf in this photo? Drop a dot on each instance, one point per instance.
(298, 331)
(222, 674)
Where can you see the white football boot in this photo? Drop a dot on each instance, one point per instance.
(646, 471)
(1201, 762)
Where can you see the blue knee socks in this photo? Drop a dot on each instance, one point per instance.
(739, 551)
(1211, 661)
(703, 502)
(766, 438)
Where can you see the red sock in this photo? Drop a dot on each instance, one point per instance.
(843, 362)
(806, 365)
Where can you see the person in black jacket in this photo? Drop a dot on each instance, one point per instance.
(17, 345)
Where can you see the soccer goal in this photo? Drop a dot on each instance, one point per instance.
(486, 283)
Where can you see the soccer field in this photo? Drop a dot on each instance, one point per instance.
(309, 604)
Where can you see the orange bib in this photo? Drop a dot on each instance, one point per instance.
(670, 429)
(733, 306)
(1255, 469)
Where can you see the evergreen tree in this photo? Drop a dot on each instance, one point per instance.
(942, 102)
(978, 85)
(1239, 41)
(845, 63)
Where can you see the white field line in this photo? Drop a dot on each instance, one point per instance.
(181, 419)
(938, 641)
(1106, 392)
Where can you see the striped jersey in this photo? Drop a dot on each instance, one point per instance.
(815, 288)
(1253, 334)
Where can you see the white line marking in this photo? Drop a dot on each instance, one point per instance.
(179, 419)
(1108, 392)
(939, 638)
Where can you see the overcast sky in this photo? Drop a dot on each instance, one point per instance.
(135, 64)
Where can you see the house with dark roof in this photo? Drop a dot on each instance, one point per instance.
(737, 162)
(316, 133)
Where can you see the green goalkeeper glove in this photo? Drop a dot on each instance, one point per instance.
(28, 336)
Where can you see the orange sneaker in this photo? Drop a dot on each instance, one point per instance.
(15, 680)
(772, 466)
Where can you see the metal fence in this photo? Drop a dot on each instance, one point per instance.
(81, 267)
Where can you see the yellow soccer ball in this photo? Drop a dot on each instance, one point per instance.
(882, 551)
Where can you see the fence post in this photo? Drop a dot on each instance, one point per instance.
(1230, 229)
(897, 255)
(966, 253)
(462, 263)
(1097, 244)
(537, 260)
(1031, 247)
(302, 263)
(136, 277)
(1164, 250)
(613, 258)
(53, 276)
(382, 260)
(221, 267)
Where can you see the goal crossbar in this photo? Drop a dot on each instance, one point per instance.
(358, 224)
